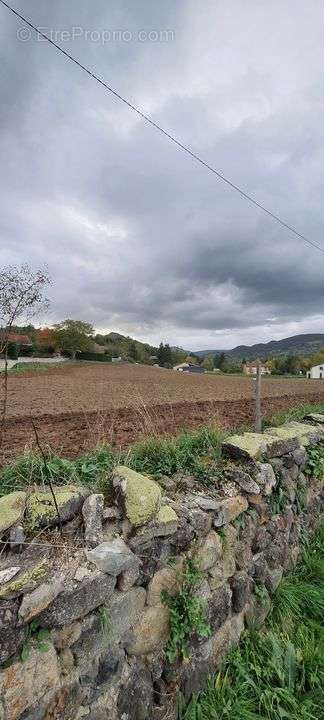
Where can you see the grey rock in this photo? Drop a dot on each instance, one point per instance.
(261, 539)
(182, 539)
(229, 488)
(124, 611)
(16, 537)
(111, 513)
(218, 607)
(113, 557)
(243, 480)
(259, 568)
(257, 611)
(241, 591)
(300, 457)
(110, 665)
(273, 579)
(135, 701)
(153, 555)
(288, 460)
(128, 578)
(200, 521)
(265, 477)
(209, 551)
(8, 573)
(11, 636)
(39, 599)
(92, 511)
(206, 503)
(76, 601)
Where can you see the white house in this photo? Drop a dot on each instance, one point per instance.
(316, 372)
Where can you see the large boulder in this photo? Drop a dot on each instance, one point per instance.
(139, 496)
(12, 508)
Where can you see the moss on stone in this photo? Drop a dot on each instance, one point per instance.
(252, 445)
(40, 506)
(141, 495)
(28, 579)
(12, 507)
(166, 514)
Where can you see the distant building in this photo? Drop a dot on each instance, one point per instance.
(189, 368)
(251, 369)
(316, 372)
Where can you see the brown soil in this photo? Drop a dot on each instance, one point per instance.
(77, 406)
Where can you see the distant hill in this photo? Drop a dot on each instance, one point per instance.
(296, 345)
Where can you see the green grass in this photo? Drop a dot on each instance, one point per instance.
(278, 673)
(296, 413)
(20, 368)
(192, 452)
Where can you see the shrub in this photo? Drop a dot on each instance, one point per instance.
(87, 355)
(12, 351)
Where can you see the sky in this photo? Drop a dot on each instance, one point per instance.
(139, 238)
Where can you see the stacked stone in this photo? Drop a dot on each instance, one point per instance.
(99, 596)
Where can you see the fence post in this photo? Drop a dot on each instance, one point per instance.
(258, 419)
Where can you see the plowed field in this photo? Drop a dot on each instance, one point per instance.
(76, 405)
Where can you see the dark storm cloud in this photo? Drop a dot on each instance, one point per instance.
(137, 237)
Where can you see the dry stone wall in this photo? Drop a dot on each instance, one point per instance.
(84, 624)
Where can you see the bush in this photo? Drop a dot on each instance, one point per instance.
(87, 355)
(12, 351)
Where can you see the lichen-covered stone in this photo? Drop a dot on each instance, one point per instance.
(210, 550)
(150, 632)
(40, 506)
(12, 508)
(167, 579)
(113, 557)
(249, 445)
(166, 521)
(26, 580)
(139, 495)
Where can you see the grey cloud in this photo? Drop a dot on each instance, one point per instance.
(138, 237)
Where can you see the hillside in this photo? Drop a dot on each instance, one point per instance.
(296, 345)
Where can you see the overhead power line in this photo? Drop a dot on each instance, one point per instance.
(168, 135)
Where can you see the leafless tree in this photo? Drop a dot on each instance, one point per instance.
(21, 296)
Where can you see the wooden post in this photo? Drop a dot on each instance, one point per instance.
(258, 419)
